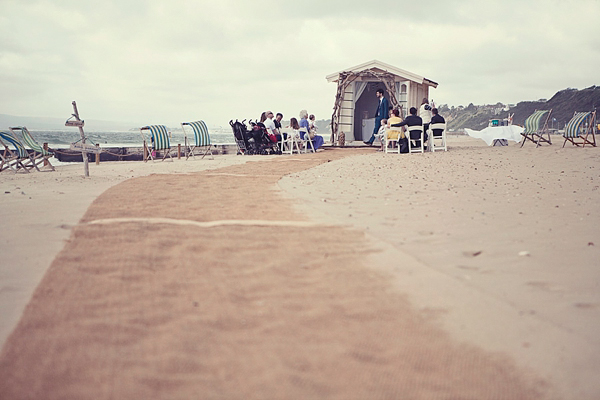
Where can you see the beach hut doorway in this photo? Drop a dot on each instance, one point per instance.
(356, 103)
(365, 108)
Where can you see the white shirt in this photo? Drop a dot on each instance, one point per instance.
(425, 114)
(270, 125)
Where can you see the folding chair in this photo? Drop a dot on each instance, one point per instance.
(390, 141)
(306, 140)
(437, 132)
(415, 135)
(201, 136)
(14, 160)
(290, 140)
(160, 141)
(580, 127)
(535, 128)
(40, 155)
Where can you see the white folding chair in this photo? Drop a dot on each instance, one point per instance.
(306, 141)
(415, 131)
(437, 133)
(388, 142)
(290, 140)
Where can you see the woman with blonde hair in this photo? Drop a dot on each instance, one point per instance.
(316, 139)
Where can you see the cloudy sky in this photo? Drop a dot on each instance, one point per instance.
(162, 62)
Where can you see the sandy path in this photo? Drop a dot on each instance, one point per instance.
(452, 225)
(137, 310)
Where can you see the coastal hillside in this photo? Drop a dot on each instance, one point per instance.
(563, 104)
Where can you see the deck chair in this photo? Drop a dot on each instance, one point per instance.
(536, 126)
(16, 159)
(290, 141)
(40, 155)
(580, 127)
(160, 141)
(306, 141)
(201, 139)
(437, 133)
(393, 141)
(415, 136)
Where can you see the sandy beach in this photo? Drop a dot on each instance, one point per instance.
(349, 273)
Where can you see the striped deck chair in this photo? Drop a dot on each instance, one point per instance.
(536, 126)
(580, 127)
(201, 136)
(40, 155)
(14, 159)
(159, 138)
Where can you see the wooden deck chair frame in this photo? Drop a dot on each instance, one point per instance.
(581, 121)
(433, 138)
(160, 141)
(40, 155)
(290, 141)
(306, 141)
(390, 141)
(201, 139)
(534, 128)
(413, 148)
(16, 159)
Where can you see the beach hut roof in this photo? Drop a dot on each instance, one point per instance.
(383, 67)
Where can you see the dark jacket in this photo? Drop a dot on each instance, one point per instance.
(438, 119)
(383, 109)
(411, 120)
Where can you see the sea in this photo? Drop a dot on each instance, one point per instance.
(62, 139)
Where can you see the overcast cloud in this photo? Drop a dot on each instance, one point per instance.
(163, 62)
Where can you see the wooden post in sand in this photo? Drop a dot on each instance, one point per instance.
(97, 155)
(79, 123)
(179, 151)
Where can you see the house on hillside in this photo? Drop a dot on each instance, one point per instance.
(356, 103)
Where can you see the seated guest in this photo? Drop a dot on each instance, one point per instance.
(294, 124)
(316, 139)
(394, 119)
(270, 125)
(437, 119)
(278, 119)
(277, 122)
(413, 120)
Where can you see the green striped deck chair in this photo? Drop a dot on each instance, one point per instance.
(536, 126)
(159, 137)
(39, 155)
(579, 128)
(16, 159)
(201, 137)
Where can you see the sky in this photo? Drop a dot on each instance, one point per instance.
(165, 62)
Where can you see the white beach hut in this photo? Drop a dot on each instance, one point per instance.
(356, 103)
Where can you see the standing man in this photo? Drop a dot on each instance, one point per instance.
(381, 113)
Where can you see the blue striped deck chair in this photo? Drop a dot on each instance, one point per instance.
(16, 159)
(580, 127)
(159, 138)
(536, 126)
(201, 137)
(39, 154)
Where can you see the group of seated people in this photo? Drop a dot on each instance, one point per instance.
(306, 126)
(430, 116)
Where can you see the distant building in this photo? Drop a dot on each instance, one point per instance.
(356, 103)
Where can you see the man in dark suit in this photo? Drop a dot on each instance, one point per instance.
(382, 112)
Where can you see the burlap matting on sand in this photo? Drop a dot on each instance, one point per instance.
(144, 306)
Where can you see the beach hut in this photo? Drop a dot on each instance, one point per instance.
(355, 102)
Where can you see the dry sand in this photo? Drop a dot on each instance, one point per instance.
(410, 286)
